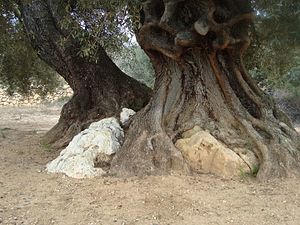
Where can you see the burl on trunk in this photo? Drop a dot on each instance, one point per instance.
(202, 90)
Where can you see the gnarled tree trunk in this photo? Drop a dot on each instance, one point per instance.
(100, 88)
(196, 47)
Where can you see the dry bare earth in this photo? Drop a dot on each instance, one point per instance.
(30, 196)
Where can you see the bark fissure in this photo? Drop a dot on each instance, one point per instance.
(250, 103)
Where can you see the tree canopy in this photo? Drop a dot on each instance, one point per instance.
(273, 59)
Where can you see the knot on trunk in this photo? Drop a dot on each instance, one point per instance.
(172, 26)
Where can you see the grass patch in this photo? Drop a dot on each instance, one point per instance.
(2, 134)
(46, 147)
(252, 173)
(2, 130)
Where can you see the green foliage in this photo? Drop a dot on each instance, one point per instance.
(134, 62)
(46, 147)
(294, 77)
(2, 135)
(249, 174)
(90, 24)
(274, 57)
(22, 71)
(292, 82)
(20, 68)
(2, 132)
(97, 24)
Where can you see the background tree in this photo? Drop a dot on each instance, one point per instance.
(273, 58)
(59, 33)
(275, 53)
(20, 68)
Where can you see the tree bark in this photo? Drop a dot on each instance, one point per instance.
(197, 49)
(100, 88)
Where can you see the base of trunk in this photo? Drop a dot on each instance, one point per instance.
(103, 99)
(152, 152)
(188, 105)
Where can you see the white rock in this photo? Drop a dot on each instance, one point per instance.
(77, 160)
(125, 115)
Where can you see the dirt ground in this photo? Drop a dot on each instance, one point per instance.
(29, 196)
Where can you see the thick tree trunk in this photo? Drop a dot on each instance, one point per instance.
(196, 48)
(100, 88)
(104, 90)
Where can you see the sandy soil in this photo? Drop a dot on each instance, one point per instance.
(30, 196)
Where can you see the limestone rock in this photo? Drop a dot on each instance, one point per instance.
(206, 154)
(78, 159)
(125, 115)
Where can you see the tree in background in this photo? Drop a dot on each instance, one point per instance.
(66, 35)
(274, 57)
(20, 68)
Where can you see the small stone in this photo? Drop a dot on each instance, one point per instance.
(125, 115)
(201, 27)
(119, 206)
(106, 182)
